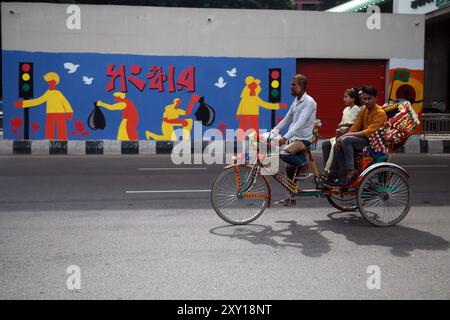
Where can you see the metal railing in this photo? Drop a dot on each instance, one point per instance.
(436, 124)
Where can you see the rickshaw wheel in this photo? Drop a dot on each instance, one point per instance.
(344, 201)
(384, 196)
(232, 208)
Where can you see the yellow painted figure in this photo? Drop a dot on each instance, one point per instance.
(58, 108)
(248, 110)
(130, 118)
(171, 115)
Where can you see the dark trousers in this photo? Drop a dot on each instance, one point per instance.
(294, 160)
(344, 156)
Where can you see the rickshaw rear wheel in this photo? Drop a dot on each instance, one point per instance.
(384, 196)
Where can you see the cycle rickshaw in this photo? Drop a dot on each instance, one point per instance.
(381, 192)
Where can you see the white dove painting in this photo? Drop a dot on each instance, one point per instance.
(71, 67)
(232, 73)
(220, 83)
(87, 81)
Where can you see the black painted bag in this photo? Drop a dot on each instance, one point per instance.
(205, 113)
(96, 119)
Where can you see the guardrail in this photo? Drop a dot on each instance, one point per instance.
(436, 124)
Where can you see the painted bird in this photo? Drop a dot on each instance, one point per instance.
(220, 83)
(71, 67)
(87, 81)
(232, 73)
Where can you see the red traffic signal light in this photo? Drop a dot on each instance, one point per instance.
(25, 67)
(275, 73)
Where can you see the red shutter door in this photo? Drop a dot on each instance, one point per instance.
(329, 78)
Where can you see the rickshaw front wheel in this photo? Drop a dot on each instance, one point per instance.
(236, 209)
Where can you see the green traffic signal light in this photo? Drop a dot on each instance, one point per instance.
(26, 87)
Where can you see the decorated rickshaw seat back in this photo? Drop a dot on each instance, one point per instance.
(400, 125)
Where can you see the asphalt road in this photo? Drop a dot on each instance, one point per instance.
(58, 211)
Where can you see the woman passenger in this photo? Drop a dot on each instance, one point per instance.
(351, 111)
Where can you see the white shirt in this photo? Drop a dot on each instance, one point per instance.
(300, 119)
(350, 114)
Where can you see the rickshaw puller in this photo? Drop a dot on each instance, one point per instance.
(300, 119)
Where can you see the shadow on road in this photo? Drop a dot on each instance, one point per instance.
(400, 239)
(306, 238)
(312, 243)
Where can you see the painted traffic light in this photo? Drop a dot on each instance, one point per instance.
(26, 92)
(275, 85)
(26, 80)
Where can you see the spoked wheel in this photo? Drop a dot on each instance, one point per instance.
(343, 200)
(239, 207)
(384, 197)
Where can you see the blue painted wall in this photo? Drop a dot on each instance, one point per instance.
(150, 103)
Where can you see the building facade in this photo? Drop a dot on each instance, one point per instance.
(152, 71)
(437, 50)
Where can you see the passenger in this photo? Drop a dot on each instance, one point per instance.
(360, 92)
(349, 115)
(370, 119)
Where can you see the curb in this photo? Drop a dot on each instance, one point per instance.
(143, 147)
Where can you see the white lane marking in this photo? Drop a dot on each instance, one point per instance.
(159, 169)
(425, 166)
(166, 191)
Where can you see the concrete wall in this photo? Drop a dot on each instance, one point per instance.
(210, 32)
(165, 59)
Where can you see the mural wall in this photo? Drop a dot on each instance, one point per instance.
(406, 79)
(90, 96)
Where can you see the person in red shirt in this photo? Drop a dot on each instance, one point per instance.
(130, 117)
